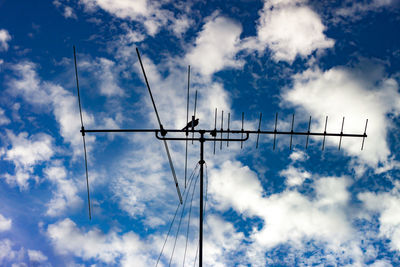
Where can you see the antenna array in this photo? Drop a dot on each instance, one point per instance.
(206, 135)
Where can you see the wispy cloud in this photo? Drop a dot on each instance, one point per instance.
(5, 37)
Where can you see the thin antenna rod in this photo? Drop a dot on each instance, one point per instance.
(259, 126)
(148, 87)
(241, 142)
(323, 142)
(161, 128)
(187, 120)
(308, 132)
(83, 134)
(215, 128)
(276, 122)
(229, 118)
(365, 132)
(222, 128)
(291, 133)
(341, 132)
(194, 114)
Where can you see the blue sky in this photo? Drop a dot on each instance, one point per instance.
(265, 207)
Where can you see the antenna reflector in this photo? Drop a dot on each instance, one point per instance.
(291, 133)
(341, 133)
(215, 128)
(229, 118)
(323, 142)
(259, 126)
(83, 134)
(276, 123)
(241, 142)
(194, 114)
(187, 120)
(222, 128)
(365, 134)
(308, 132)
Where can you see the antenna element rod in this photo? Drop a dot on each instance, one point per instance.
(308, 132)
(323, 142)
(83, 134)
(161, 128)
(341, 132)
(259, 126)
(365, 133)
(291, 133)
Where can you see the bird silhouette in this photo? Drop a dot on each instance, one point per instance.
(189, 124)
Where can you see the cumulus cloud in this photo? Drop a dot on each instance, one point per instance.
(289, 29)
(216, 46)
(343, 92)
(356, 10)
(3, 118)
(36, 256)
(5, 224)
(65, 195)
(63, 104)
(112, 249)
(294, 176)
(387, 206)
(8, 254)
(289, 217)
(106, 73)
(26, 152)
(149, 13)
(69, 12)
(5, 37)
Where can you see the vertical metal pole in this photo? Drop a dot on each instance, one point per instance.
(201, 162)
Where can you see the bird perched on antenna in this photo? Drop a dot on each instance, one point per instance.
(190, 125)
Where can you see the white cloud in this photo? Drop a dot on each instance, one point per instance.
(289, 216)
(216, 46)
(5, 37)
(8, 254)
(65, 196)
(5, 224)
(112, 249)
(223, 243)
(3, 118)
(289, 29)
(387, 205)
(298, 155)
(149, 13)
(106, 74)
(69, 13)
(342, 92)
(36, 256)
(356, 10)
(294, 176)
(26, 152)
(180, 25)
(45, 94)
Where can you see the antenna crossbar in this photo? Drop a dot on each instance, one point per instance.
(213, 131)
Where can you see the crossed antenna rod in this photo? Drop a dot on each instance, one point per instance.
(83, 133)
(210, 135)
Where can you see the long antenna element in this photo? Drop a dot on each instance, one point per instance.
(83, 133)
(161, 128)
(308, 132)
(194, 113)
(259, 126)
(187, 120)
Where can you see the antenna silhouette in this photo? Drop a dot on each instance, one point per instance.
(208, 135)
(83, 133)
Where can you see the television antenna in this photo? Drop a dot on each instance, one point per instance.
(202, 136)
